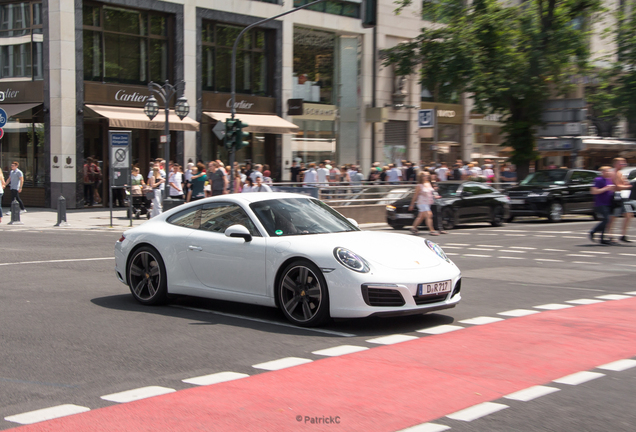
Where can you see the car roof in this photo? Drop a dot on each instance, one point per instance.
(252, 197)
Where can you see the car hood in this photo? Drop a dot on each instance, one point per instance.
(394, 251)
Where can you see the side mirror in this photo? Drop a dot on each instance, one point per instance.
(353, 221)
(238, 231)
(467, 194)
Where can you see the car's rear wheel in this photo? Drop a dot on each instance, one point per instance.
(556, 212)
(302, 294)
(147, 276)
(448, 219)
(497, 216)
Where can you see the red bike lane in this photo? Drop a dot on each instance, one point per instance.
(388, 388)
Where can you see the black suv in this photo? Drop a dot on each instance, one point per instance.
(553, 193)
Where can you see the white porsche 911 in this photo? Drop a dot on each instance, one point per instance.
(284, 250)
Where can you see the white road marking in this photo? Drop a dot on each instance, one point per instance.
(452, 254)
(452, 247)
(331, 332)
(392, 339)
(531, 393)
(540, 235)
(518, 312)
(481, 320)
(613, 297)
(215, 378)
(137, 394)
(489, 246)
(522, 247)
(456, 244)
(477, 411)
(631, 293)
(487, 234)
(578, 378)
(426, 427)
(516, 235)
(572, 237)
(555, 250)
(582, 262)
(547, 260)
(626, 254)
(57, 261)
(481, 249)
(281, 363)
(460, 233)
(440, 329)
(595, 252)
(512, 251)
(478, 256)
(46, 414)
(584, 301)
(340, 350)
(505, 257)
(578, 255)
(619, 365)
(553, 306)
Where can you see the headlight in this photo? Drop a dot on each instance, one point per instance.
(351, 260)
(390, 208)
(437, 249)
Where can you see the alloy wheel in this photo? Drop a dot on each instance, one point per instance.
(144, 276)
(556, 212)
(301, 294)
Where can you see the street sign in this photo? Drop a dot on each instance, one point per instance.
(3, 118)
(426, 118)
(1, 132)
(1, 96)
(219, 130)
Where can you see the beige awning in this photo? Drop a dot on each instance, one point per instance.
(15, 109)
(258, 123)
(134, 118)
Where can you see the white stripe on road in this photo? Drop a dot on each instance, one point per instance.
(392, 339)
(531, 393)
(522, 247)
(481, 249)
(631, 293)
(518, 312)
(481, 320)
(440, 329)
(547, 260)
(137, 394)
(57, 261)
(427, 427)
(281, 363)
(452, 247)
(511, 251)
(331, 332)
(516, 235)
(452, 254)
(46, 414)
(579, 255)
(583, 262)
(215, 378)
(613, 297)
(340, 350)
(584, 301)
(487, 234)
(626, 254)
(489, 246)
(457, 244)
(553, 306)
(595, 252)
(478, 256)
(578, 378)
(619, 365)
(539, 235)
(505, 257)
(575, 237)
(555, 250)
(477, 411)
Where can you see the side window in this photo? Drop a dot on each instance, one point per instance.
(589, 177)
(472, 188)
(578, 177)
(483, 189)
(217, 217)
(190, 218)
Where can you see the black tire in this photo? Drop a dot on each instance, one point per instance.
(147, 276)
(510, 219)
(448, 219)
(497, 216)
(398, 227)
(302, 293)
(555, 213)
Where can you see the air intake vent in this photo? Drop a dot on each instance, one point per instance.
(382, 297)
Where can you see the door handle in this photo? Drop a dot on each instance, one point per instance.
(195, 248)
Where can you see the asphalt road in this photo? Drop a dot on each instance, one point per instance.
(72, 333)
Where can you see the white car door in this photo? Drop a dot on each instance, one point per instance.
(228, 263)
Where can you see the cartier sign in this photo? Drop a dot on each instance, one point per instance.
(116, 94)
(124, 96)
(248, 104)
(25, 91)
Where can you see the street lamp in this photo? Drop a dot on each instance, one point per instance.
(151, 109)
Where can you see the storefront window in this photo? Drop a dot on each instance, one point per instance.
(21, 41)
(315, 141)
(314, 65)
(486, 134)
(252, 66)
(24, 143)
(333, 7)
(125, 46)
(447, 94)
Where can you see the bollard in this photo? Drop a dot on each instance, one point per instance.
(15, 213)
(61, 212)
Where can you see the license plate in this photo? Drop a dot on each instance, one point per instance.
(518, 201)
(403, 216)
(434, 288)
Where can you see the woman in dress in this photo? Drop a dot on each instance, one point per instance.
(424, 197)
(155, 183)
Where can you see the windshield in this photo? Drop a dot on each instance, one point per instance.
(299, 216)
(447, 189)
(544, 178)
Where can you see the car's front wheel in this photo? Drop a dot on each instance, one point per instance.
(556, 212)
(448, 219)
(302, 294)
(147, 276)
(497, 217)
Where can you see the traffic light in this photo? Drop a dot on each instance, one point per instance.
(230, 133)
(369, 13)
(240, 136)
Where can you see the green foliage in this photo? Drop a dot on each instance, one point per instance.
(511, 58)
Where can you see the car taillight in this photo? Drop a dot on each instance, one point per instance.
(123, 237)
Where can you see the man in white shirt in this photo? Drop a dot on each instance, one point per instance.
(442, 172)
(175, 180)
(310, 176)
(322, 174)
(393, 175)
(260, 186)
(258, 172)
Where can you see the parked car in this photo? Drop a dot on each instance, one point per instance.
(630, 174)
(288, 251)
(553, 193)
(460, 202)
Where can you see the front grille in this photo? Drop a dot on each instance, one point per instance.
(517, 194)
(422, 300)
(382, 297)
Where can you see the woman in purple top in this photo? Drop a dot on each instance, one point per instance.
(603, 190)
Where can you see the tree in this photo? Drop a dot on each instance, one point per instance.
(510, 58)
(624, 70)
